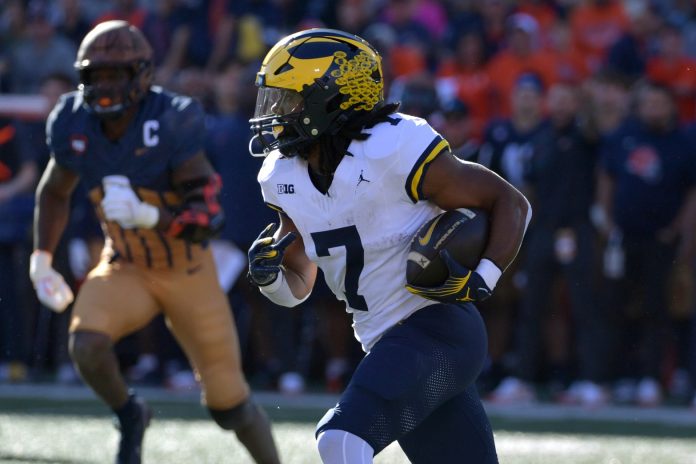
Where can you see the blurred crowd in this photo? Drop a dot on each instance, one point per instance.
(587, 106)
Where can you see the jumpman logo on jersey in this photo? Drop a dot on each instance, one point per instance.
(362, 179)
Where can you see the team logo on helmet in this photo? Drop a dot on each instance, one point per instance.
(354, 78)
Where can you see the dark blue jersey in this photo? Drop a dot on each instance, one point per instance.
(509, 152)
(652, 173)
(167, 130)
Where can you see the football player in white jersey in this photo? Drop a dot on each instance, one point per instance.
(352, 180)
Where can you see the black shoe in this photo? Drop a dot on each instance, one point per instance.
(132, 426)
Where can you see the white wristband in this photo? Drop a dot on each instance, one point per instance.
(279, 292)
(273, 286)
(41, 259)
(490, 273)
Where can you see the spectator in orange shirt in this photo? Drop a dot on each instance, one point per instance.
(406, 60)
(464, 77)
(673, 68)
(596, 25)
(413, 44)
(513, 61)
(542, 11)
(559, 61)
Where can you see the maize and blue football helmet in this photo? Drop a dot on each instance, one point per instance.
(310, 84)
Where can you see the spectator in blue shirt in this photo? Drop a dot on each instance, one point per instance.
(647, 190)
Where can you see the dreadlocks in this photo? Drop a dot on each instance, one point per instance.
(333, 146)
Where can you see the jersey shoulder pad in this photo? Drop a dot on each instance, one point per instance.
(273, 168)
(182, 123)
(67, 105)
(397, 138)
(273, 165)
(412, 144)
(177, 106)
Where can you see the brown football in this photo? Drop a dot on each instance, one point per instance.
(462, 232)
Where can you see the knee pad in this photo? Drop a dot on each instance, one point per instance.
(234, 418)
(341, 447)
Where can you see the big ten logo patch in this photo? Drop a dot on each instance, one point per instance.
(286, 188)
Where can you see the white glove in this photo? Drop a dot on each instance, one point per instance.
(122, 205)
(49, 284)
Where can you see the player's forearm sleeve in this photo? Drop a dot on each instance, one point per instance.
(202, 217)
(279, 292)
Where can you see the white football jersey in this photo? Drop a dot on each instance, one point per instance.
(359, 232)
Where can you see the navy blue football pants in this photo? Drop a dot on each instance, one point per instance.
(417, 386)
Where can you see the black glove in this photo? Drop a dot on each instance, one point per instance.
(265, 256)
(462, 285)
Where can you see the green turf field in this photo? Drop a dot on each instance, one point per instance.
(70, 431)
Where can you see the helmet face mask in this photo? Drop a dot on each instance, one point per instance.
(108, 91)
(114, 63)
(277, 118)
(311, 83)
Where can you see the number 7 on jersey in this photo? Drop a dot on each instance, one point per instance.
(355, 259)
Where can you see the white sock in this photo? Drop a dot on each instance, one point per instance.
(341, 447)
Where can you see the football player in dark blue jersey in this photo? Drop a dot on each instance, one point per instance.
(138, 149)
